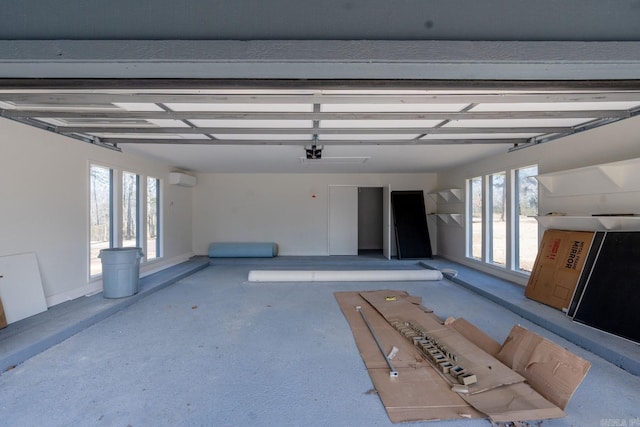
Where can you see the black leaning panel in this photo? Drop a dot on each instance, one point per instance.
(612, 294)
(592, 255)
(410, 225)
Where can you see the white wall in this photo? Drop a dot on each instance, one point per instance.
(279, 207)
(44, 201)
(618, 141)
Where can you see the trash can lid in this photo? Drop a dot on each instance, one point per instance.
(121, 249)
(116, 250)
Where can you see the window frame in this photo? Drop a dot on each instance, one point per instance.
(516, 215)
(470, 211)
(112, 233)
(116, 214)
(512, 229)
(137, 215)
(489, 215)
(159, 218)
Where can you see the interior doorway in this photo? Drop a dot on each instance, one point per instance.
(359, 220)
(370, 221)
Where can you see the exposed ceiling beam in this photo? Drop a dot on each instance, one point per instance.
(301, 131)
(117, 141)
(320, 59)
(60, 98)
(92, 115)
(209, 84)
(199, 115)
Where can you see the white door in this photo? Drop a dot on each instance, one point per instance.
(386, 222)
(343, 220)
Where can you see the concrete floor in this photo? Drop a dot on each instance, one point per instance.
(215, 350)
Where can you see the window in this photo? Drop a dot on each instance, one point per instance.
(501, 229)
(526, 225)
(498, 219)
(101, 215)
(124, 211)
(153, 218)
(130, 209)
(476, 214)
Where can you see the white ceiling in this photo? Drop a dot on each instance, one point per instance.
(360, 128)
(336, 159)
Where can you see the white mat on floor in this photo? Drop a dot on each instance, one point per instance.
(343, 275)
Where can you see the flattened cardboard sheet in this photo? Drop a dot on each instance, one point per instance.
(404, 397)
(514, 402)
(491, 373)
(421, 392)
(552, 370)
(386, 334)
(393, 304)
(418, 393)
(476, 336)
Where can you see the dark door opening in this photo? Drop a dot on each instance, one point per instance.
(370, 221)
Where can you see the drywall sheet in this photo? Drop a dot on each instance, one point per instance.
(419, 393)
(410, 224)
(21, 287)
(550, 369)
(558, 266)
(610, 298)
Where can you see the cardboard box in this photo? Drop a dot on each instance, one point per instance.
(3, 318)
(558, 266)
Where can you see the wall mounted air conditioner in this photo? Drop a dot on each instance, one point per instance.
(182, 179)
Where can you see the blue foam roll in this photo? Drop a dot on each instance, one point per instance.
(243, 250)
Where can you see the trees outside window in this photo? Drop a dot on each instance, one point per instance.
(498, 219)
(100, 215)
(476, 208)
(502, 230)
(526, 224)
(130, 209)
(153, 218)
(138, 225)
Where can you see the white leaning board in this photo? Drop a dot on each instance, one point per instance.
(21, 287)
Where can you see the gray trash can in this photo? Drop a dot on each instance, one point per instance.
(120, 271)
